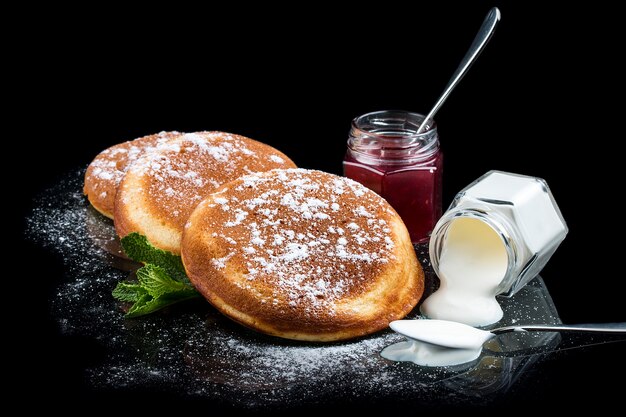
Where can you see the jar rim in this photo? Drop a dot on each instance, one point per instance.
(378, 117)
(506, 235)
(389, 136)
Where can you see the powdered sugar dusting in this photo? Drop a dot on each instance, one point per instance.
(277, 159)
(183, 171)
(312, 248)
(111, 164)
(192, 351)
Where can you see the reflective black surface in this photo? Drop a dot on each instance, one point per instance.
(534, 103)
(195, 352)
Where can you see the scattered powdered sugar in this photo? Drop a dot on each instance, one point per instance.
(69, 226)
(193, 351)
(181, 172)
(307, 232)
(111, 164)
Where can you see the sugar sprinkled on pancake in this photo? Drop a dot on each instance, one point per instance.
(106, 171)
(303, 255)
(161, 189)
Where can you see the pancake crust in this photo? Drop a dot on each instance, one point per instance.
(106, 171)
(302, 255)
(161, 189)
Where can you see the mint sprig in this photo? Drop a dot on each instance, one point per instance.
(160, 282)
(137, 248)
(154, 290)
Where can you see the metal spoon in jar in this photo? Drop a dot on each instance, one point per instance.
(482, 37)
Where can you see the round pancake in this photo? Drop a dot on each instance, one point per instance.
(107, 169)
(303, 255)
(162, 188)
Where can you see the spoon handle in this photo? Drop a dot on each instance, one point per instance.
(580, 328)
(482, 37)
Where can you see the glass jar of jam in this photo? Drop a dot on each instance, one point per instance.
(386, 155)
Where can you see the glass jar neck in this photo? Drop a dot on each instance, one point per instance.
(390, 136)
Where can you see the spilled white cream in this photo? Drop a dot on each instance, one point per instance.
(436, 342)
(472, 265)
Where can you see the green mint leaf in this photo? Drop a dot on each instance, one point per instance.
(141, 306)
(162, 280)
(130, 293)
(156, 282)
(138, 249)
(155, 290)
(148, 305)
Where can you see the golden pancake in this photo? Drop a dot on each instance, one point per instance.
(162, 188)
(107, 169)
(303, 255)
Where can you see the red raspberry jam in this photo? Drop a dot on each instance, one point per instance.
(386, 155)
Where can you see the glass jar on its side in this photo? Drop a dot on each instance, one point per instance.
(497, 235)
(521, 211)
(386, 155)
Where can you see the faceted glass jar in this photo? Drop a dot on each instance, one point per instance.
(524, 214)
(386, 155)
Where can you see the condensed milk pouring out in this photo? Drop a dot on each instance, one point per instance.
(497, 235)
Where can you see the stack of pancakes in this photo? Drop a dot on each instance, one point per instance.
(106, 171)
(294, 253)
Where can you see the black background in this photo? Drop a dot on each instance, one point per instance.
(544, 99)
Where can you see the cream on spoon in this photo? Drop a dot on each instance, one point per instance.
(448, 343)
